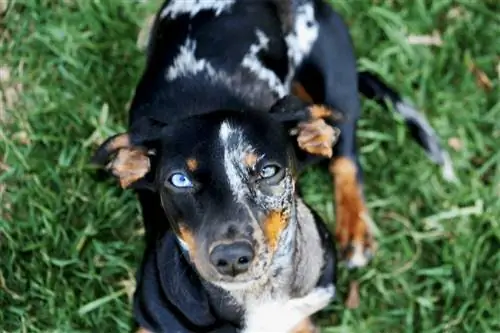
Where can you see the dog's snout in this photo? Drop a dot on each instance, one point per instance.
(232, 259)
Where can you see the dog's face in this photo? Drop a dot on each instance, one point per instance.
(226, 182)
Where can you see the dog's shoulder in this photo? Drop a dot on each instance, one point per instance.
(213, 36)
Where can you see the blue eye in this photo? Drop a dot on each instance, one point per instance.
(180, 180)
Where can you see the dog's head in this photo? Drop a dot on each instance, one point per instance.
(226, 181)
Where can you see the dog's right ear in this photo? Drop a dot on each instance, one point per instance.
(310, 123)
(128, 155)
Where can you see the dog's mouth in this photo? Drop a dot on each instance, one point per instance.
(235, 285)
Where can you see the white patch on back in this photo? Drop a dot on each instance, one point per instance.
(283, 315)
(192, 7)
(305, 32)
(256, 67)
(186, 63)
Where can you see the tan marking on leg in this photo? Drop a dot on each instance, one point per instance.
(299, 91)
(352, 230)
(306, 326)
(320, 111)
(192, 164)
(317, 110)
(275, 223)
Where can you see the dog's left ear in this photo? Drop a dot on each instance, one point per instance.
(291, 109)
(312, 124)
(128, 156)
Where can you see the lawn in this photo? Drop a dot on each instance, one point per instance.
(69, 245)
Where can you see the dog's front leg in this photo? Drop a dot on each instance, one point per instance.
(332, 56)
(278, 317)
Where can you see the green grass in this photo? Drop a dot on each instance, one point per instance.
(69, 245)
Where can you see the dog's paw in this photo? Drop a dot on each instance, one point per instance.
(287, 315)
(358, 246)
(313, 302)
(316, 137)
(354, 228)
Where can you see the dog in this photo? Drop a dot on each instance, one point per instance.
(236, 100)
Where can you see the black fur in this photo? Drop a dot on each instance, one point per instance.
(180, 116)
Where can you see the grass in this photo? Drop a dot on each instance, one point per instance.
(69, 245)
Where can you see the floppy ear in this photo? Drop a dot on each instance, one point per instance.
(291, 109)
(128, 155)
(311, 123)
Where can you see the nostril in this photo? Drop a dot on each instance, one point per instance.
(232, 259)
(221, 263)
(243, 260)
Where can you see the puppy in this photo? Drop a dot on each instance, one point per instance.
(230, 246)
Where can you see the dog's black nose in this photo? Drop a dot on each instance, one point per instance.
(232, 259)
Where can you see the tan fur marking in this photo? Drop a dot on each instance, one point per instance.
(250, 160)
(351, 228)
(129, 165)
(121, 141)
(192, 164)
(317, 137)
(188, 238)
(299, 91)
(274, 224)
(306, 326)
(319, 111)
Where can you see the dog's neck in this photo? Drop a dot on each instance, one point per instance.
(226, 91)
(308, 252)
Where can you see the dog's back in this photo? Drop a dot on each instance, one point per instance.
(229, 54)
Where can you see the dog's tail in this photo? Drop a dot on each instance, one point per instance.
(374, 88)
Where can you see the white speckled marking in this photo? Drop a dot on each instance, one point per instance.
(305, 32)
(255, 66)
(234, 153)
(192, 7)
(186, 62)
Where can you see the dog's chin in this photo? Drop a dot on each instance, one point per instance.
(240, 283)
